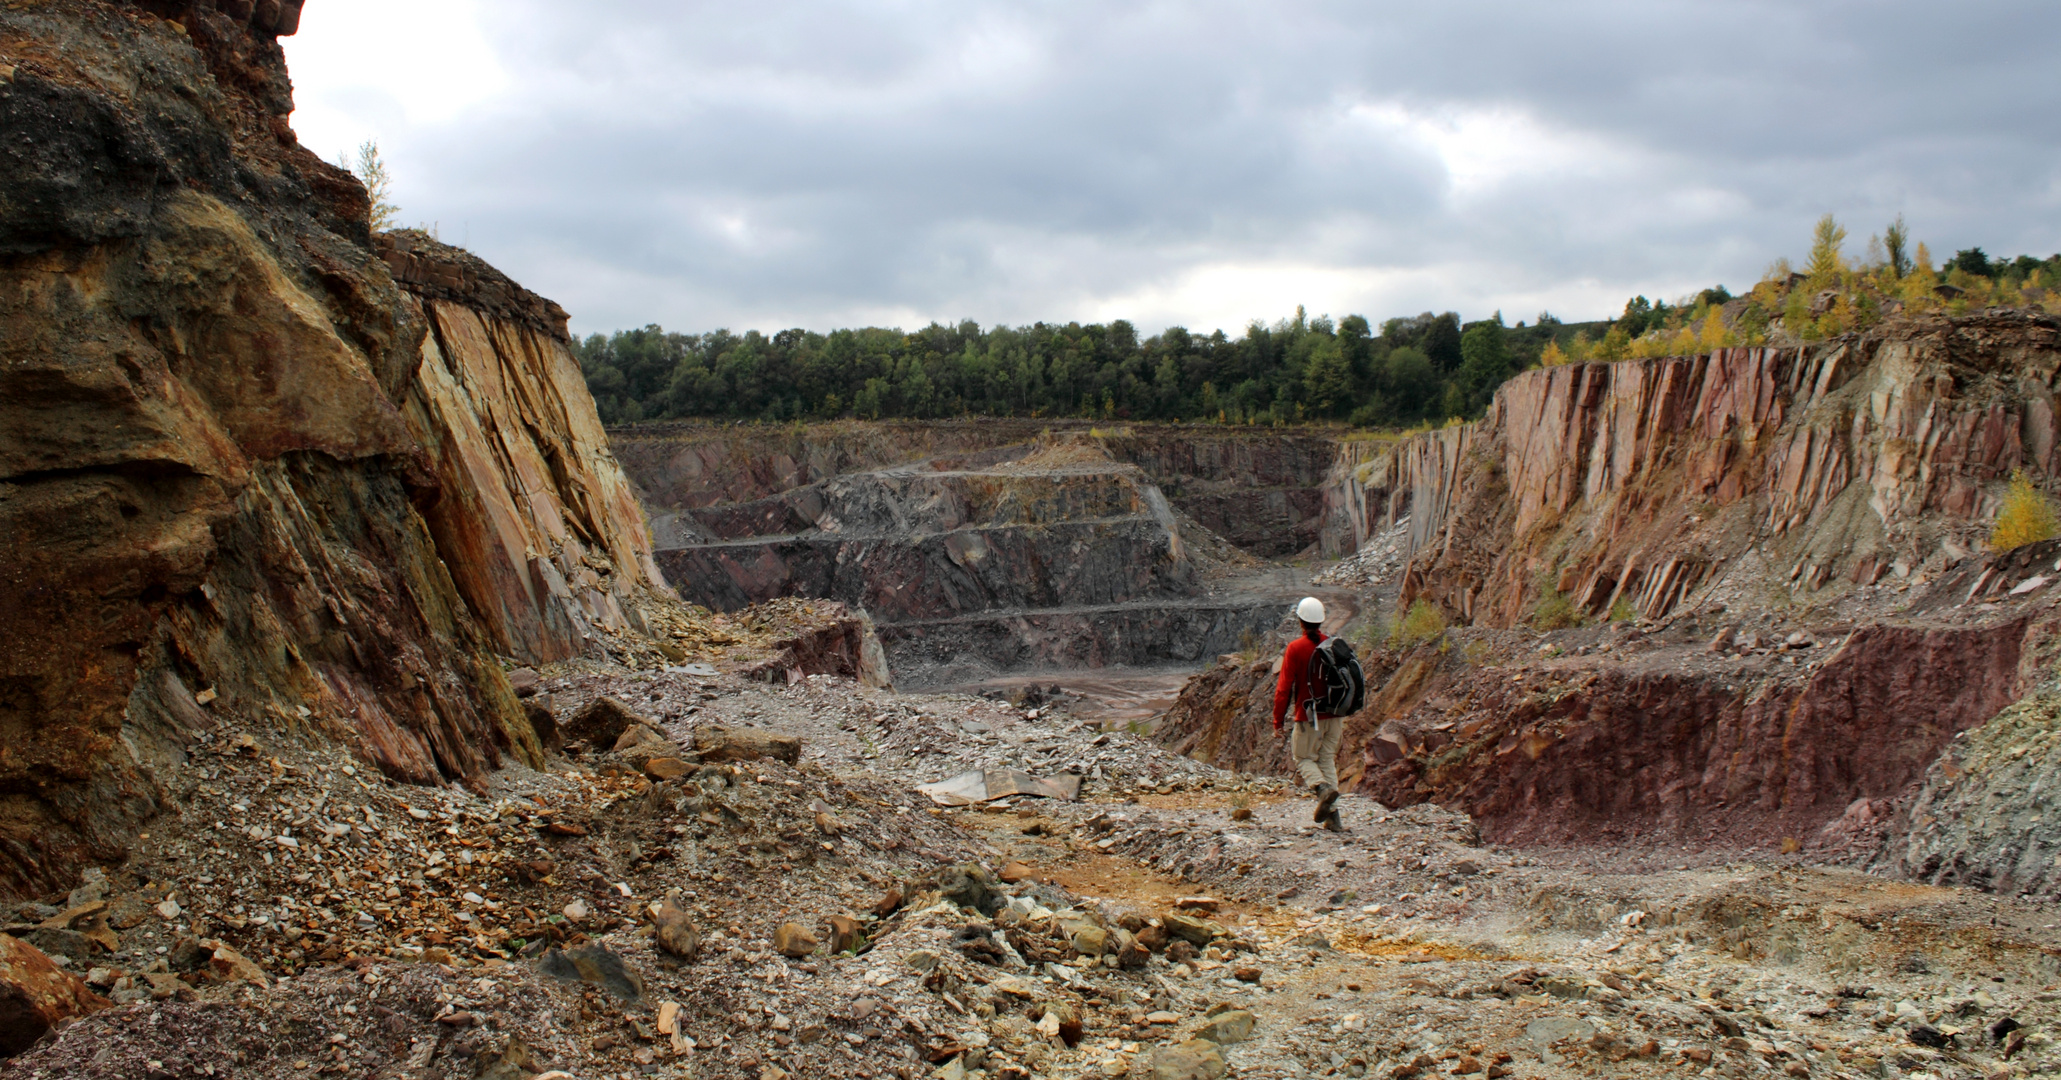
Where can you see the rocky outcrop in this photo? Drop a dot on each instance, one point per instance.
(36, 996)
(1658, 740)
(534, 517)
(1980, 818)
(1044, 554)
(1261, 488)
(238, 466)
(1557, 755)
(1840, 492)
(1660, 483)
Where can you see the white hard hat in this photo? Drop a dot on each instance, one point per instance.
(1310, 610)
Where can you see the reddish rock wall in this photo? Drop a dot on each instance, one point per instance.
(1559, 755)
(1646, 481)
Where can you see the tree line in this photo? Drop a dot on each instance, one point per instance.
(1426, 367)
(1423, 368)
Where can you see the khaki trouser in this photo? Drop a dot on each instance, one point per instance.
(1315, 746)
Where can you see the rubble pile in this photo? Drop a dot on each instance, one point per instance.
(719, 877)
(1379, 561)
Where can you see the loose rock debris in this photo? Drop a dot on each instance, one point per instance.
(820, 916)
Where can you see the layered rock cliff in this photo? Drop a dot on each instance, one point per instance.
(245, 479)
(1046, 554)
(1730, 598)
(1654, 483)
(1263, 489)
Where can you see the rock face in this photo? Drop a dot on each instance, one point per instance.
(1980, 817)
(1649, 482)
(1681, 495)
(1263, 489)
(239, 464)
(1044, 554)
(1558, 760)
(535, 519)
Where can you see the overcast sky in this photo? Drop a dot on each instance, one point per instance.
(889, 163)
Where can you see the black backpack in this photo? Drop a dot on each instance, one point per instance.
(1337, 684)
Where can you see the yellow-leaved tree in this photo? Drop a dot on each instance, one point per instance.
(1826, 259)
(2027, 516)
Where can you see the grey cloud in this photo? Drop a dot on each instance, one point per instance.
(705, 165)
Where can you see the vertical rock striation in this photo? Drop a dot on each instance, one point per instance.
(536, 519)
(234, 488)
(1645, 481)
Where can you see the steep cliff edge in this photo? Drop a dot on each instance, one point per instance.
(1659, 483)
(1726, 599)
(245, 481)
(535, 519)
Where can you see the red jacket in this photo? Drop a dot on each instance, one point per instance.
(1294, 687)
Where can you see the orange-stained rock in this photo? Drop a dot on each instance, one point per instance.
(538, 523)
(227, 458)
(1644, 481)
(36, 995)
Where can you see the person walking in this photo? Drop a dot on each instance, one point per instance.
(1315, 735)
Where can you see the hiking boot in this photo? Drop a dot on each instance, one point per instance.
(1333, 822)
(1326, 795)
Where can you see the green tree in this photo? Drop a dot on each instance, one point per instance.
(1328, 379)
(1972, 261)
(1484, 360)
(1896, 244)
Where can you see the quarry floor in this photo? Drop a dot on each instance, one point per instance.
(1403, 947)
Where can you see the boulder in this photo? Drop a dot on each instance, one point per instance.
(35, 995)
(525, 682)
(676, 933)
(718, 743)
(225, 964)
(1087, 939)
(970, 885)
(1228, 1027)
(666, 767)
(544, 722)
(597, 966)
(794, 939)
(1196, 1059)
(640, 743)
(601, 722)
(845, 935)
(1129, 953)
(1192, 929)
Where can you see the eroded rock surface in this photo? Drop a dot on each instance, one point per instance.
(1657, 482)
(1982, 817)
(239, 466)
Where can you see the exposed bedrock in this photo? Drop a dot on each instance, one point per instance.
(1656, 483)
(1050, 556)
(1984, 816)
(1262, 489)
(1179, 632)
(1841, 492)
(238, 464)
(939, 575)
(1567, 750)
